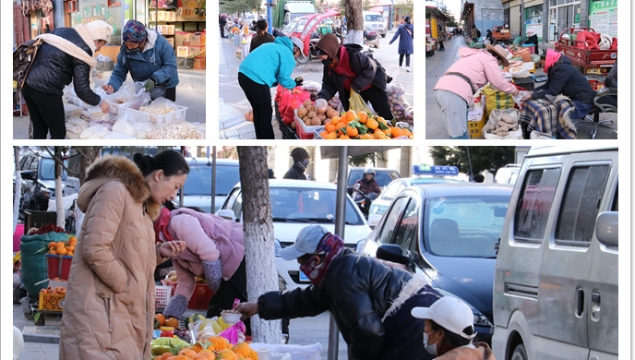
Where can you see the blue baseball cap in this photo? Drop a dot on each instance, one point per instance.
(306, 242)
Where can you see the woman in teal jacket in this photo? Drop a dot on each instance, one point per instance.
(267, 66)
(149, 58)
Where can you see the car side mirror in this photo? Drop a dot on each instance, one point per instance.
(226, 214)
(606, 228)
(277, 247)
(373, 220)
(392, 253)
(27, 174)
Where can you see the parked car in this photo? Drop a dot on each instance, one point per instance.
(380, 205)
(197, 189)
(382, 176)
(507, 174)
(374, 21)
(556, 279)
(40, 169)
(448, 233)
(294, 205)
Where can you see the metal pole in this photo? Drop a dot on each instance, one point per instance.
(340, 213)
(270, 15)
(213, 208)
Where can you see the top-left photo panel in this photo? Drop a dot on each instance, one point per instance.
(109, 69)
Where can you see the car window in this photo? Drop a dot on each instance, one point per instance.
(383, 178)
(580, 204)
(406, 231)
(534, 203)
(374, 18)
(231, 200)
(309, 26)
(467, 225)
(199, 180)
(47, 169)
(392, 217)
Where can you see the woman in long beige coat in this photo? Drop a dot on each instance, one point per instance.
(109, 306)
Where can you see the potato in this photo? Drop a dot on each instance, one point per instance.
(302, 111)
(293, 125)
(311, 114)
(307, 103)
(316, 121)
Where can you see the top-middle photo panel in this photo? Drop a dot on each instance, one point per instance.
(306, 69)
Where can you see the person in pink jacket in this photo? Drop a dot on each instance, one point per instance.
(215, 250)
(454, 90)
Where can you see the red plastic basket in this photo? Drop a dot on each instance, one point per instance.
(59, 266)
(200, 298)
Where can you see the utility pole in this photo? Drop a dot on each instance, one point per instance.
(270, 5)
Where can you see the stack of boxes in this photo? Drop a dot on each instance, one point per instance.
(191, 46)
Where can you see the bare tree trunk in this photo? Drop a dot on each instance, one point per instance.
(259, 239)
(17, 188)
(354, 22)
(88, 156)
(59, 195)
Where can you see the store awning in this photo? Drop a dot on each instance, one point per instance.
(467, 8)
(432, 11)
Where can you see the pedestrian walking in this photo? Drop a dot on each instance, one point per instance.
(455, 90)
(300, 161)
(370, 302)
(270, 64)
(65, 56)
(261, 36)
(109, 305)
(149, 58)
(405, 33)
(441, 39)
(222, 22)
(449, 330)
(346, 68)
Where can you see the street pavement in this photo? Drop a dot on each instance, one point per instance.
(42, 342)
(190, 93)
(233, 103)
(438, 64)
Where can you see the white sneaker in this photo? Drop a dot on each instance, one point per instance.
(408, 68)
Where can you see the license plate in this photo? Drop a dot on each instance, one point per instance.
(303, 277)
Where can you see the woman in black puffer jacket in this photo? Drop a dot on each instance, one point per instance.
(65, 56)
(370, 302)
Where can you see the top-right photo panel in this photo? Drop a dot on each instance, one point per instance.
(521, 69)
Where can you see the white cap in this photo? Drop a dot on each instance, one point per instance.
(306, 242)
(99, 30)
(450, 313)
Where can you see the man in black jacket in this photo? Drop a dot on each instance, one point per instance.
(563, 78)
(370, 302)
(346, 68)
(300, 162)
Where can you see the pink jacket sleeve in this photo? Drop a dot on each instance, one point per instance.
(186, 281)
(187, 228)
(496, 78)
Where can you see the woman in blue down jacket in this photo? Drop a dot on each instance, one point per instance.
(65, 56)
(405, 33)
(149, 58)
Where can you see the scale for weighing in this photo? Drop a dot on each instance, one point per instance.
(540, 78)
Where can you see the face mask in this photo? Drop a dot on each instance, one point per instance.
(327, 61)
(133, 51)
(431, 349)
(305, 162)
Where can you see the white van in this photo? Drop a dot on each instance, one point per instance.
(507, 174)
(374, 21)
(556, 280)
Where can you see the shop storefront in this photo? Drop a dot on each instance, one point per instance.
(603, 16)
(563, 14)
(533, 20)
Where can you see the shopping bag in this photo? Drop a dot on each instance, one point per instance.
(356, 103)
(495, 99)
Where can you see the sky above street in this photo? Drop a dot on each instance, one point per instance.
(454, 6)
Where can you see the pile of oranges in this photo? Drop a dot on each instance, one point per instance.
(63, 247)
(213, 348)
(360, 125)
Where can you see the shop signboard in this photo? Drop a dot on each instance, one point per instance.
(603, 17)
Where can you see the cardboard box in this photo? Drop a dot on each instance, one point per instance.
(194, 50)
(182, 51)
(179, 37)
(170, 41)
(197, 40)
(199, 63)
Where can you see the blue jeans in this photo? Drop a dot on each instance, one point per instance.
(581, 110)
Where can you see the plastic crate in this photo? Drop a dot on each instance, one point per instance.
(200, 297)
(303, 131)
(51, 302)
(39, 218)
(59, 266)
(178, 114)
(475, 128)
(184, 62)
(162, 296)
(287, 131)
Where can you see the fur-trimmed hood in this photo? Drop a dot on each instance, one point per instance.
(124, 170)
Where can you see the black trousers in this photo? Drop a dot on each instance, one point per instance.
(46, 112)
(259, 97)
(379, 100)
(401, 56)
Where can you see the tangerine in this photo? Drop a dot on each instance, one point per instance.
(351, 131)
(331, 136)
(160, 318)
(363, 117)
(366, 136)
(329, 127)
(172, 322)
(396, 132)
(350, 115)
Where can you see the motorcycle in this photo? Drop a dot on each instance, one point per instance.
(363, 201)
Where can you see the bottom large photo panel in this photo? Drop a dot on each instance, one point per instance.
(315, 252)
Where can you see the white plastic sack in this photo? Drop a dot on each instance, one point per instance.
(292, 352)
(94, 132)
(495, 118)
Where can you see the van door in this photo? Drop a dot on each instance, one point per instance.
(564, 291)
(602, 303)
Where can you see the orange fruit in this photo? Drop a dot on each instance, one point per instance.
(61, 251)
(351, 131)
(227, 354)
(335, 119)
(344, 137)
(379, 135)
(396, 132)
(350, 115)
(363, 117)
(372, 124)
(172, 322)
(52, 244)
(188, 352)
(160, 318)
(406, 132)
(366, 136)
(381, 119)
(329, 127)
(324, 134)
(331, 136)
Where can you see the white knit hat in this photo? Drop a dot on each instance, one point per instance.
(99, 30)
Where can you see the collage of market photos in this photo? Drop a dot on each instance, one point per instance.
(288, 204)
